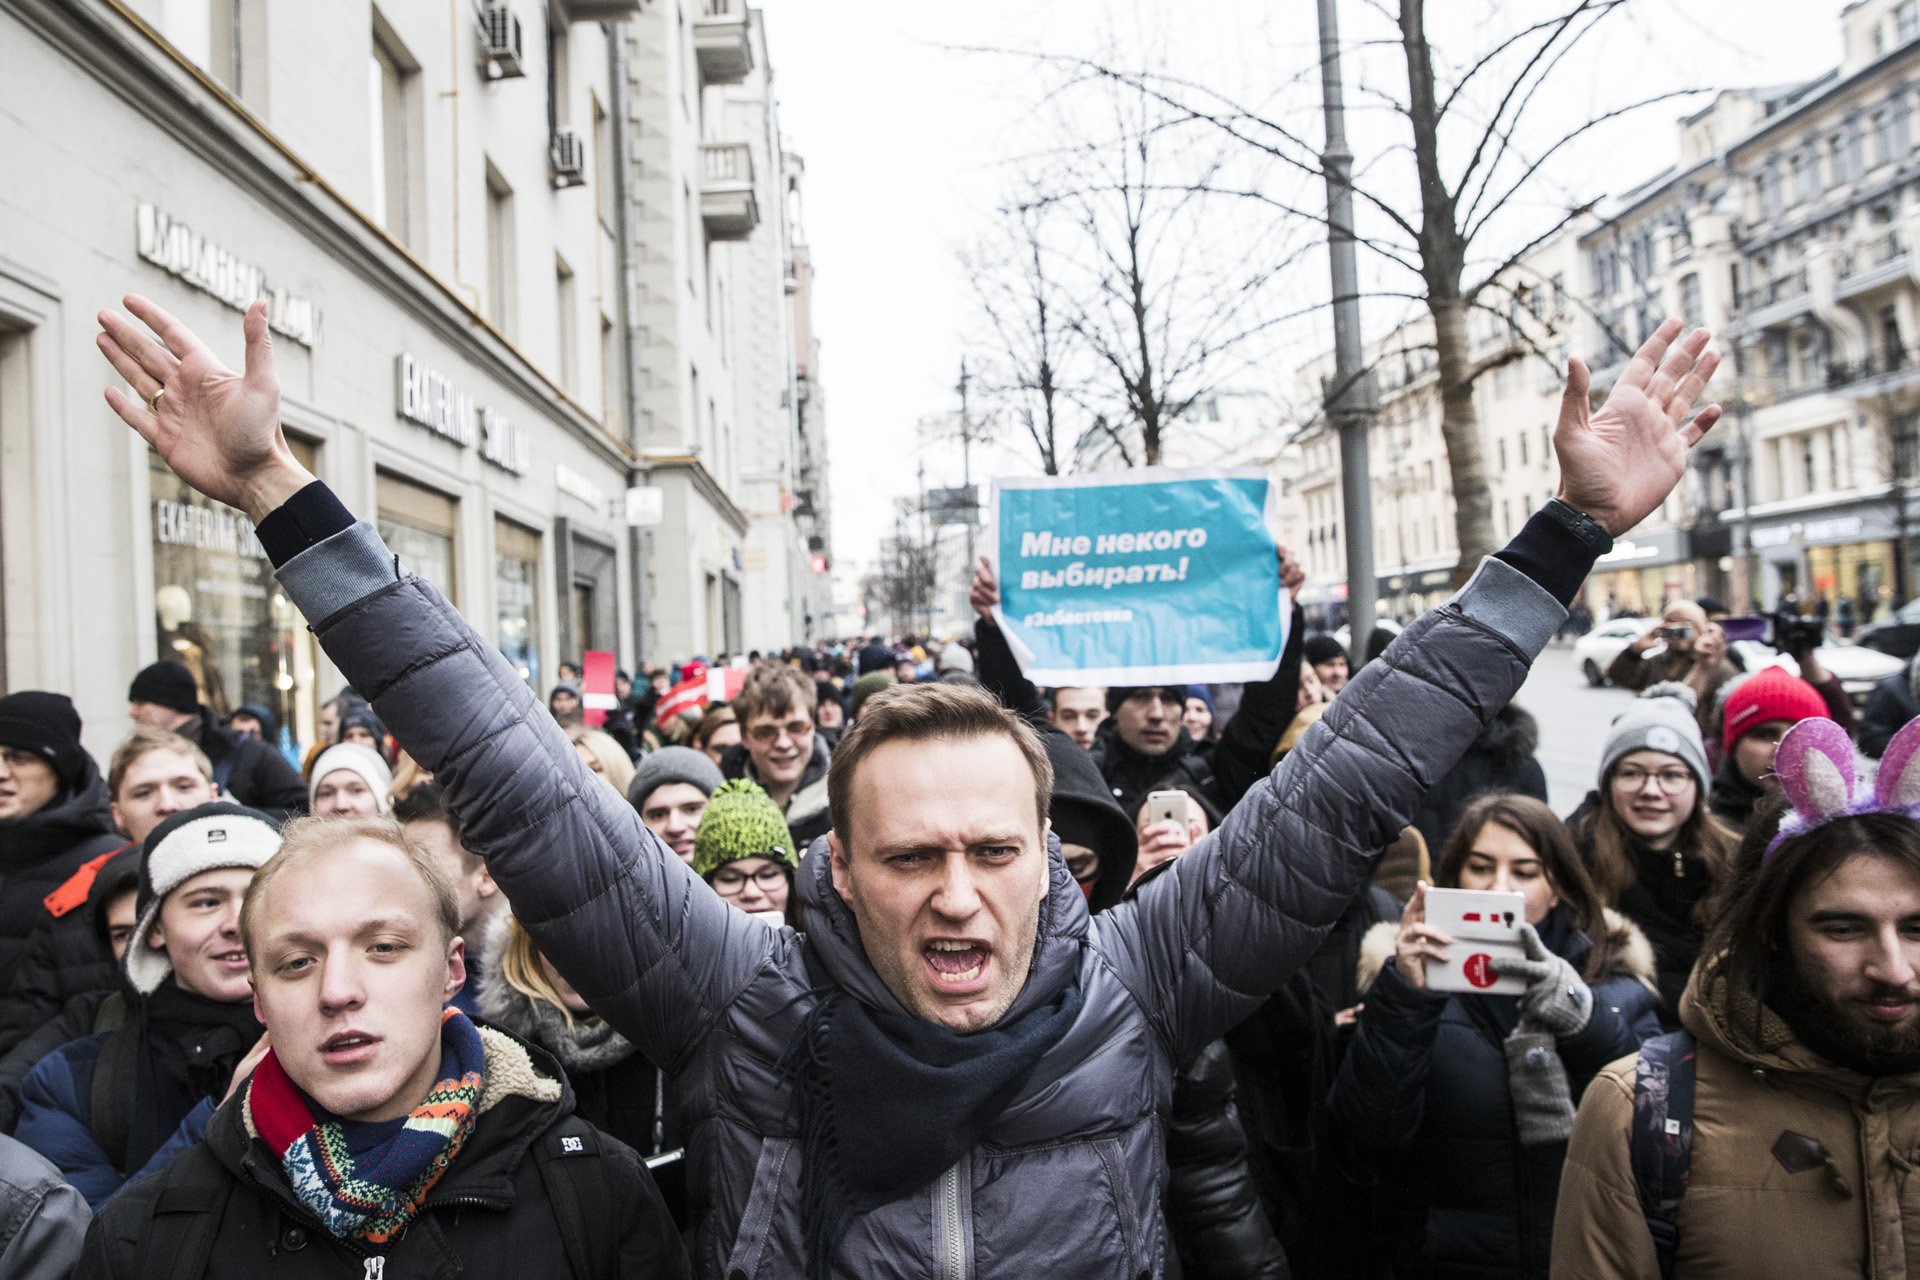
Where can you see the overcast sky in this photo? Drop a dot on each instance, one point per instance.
(911, 140)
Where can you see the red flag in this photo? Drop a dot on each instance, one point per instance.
(596, 686)
(688, 695)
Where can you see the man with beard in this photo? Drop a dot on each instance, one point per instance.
(1802, 1050)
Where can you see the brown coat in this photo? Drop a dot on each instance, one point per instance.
(1745, 1215)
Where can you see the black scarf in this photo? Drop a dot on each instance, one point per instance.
(176, 1048)
(886, 1104)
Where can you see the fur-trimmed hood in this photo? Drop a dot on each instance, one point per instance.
(1632, 953)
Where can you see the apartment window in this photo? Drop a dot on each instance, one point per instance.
(610, 374)
(605, 184)
(1503, 454)
(1908, 18)
(1521, 440)
(1797, 179)
(421, 525)
(1906, 446)
(394, 142)
(208, 33)
(1883, 152)
(500, 252)
(567, 328)
(693, 410)
(1690, 309)
(1506, 517)
(559, 76)
(1806, 463)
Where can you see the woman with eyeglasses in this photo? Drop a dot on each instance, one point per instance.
(1648, 836)
(744, 850)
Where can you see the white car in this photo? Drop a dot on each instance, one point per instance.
(1595, 651)
(1858, 667)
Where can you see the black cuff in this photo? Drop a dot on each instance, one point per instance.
(309, 517)
(1557, 548)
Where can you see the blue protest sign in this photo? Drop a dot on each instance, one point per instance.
(1147, 577)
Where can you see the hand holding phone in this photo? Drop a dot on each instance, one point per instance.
(1482, 926)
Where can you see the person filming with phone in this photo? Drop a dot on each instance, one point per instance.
(1685, 648)
(1466, 1100)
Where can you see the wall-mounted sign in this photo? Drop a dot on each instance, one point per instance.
(431, 399)
(175, 247)
(646, 506)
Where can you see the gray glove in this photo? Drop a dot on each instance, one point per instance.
(1556, 997)
(1537, 1083)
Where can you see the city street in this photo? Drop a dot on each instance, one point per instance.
(1573, 724)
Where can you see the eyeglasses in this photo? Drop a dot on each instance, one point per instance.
(730, 883)
(1670, 781)
(765, 735)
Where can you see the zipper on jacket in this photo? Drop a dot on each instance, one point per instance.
(948, 1229)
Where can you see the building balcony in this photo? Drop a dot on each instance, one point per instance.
(1878, 374)
(1873, 264)
(1776, 302)
(599, 10)
(728, 206)
(721, 43)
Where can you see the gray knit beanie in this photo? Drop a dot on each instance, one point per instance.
(669, 765)
(1661, 719)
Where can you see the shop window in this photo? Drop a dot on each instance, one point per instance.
(516, 597)
(218, 609)
(420, 526)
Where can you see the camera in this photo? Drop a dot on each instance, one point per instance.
(1795, 634)
(1680, 632)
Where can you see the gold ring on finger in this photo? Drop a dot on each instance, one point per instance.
(153, 401)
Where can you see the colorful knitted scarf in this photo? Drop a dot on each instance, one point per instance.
(374, 1195)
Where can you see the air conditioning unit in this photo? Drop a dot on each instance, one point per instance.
(569, 156)
(502, 50)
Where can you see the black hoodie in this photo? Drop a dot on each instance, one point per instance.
(1500, 759)
(40, 851)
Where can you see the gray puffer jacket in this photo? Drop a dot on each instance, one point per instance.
(1067, 1182)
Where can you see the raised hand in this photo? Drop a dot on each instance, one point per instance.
(1619, 464)
(218, 430)
(984, 594)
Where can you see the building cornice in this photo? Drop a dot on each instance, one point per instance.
(114, 45)
(703, 483)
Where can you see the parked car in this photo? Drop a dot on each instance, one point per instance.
(1595, 651)
(1859, 668)
(1898, 635)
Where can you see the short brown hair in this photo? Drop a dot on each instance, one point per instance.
(716, 719)
(918, 713)
(143, 742)
(774, 689)
(304, 839)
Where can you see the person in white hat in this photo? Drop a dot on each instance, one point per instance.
(349, 780)
(125, 1101)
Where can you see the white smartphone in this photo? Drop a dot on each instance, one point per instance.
(1169, 806)
(1483, 925)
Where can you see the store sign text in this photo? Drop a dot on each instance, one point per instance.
(203, 528)
(571, 482)
(176, 248)
(431, 399)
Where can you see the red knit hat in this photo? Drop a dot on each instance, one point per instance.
(1767, 695)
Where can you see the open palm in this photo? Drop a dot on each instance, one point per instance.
(1619, 465)
(216, 429)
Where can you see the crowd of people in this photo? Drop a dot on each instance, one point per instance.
(873, 958)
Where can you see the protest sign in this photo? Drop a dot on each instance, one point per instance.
(1152, 576)
(596, 686)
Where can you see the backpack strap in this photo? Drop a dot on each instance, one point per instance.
(186, 1215)
(116, 1079)
(1661, 1141)
(572, 1160)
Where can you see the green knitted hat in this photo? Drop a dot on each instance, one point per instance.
(741, 821)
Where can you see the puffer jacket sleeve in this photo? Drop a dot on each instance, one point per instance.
(51, 1123)
(1213, 1208)
(1203, 944)
(42, 1220)
(1000, 673)
(1599, 1230)
(639, 936)
(1379, 1096)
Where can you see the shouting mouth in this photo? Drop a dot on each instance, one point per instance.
(958, 965)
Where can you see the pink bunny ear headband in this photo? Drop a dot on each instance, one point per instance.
(1815, 768)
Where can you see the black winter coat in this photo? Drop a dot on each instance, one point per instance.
(1501, 759)
(491, 1214)
(1424, 1089)
(1889, 707)
(39, 852)
(1733, 797)
(258, 774)
(1213, 1209)
(67, 956)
